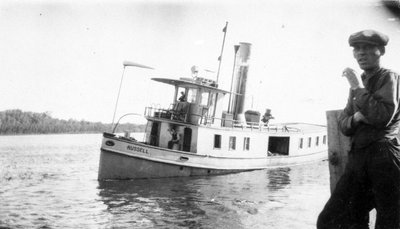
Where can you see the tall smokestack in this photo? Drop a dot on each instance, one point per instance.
(240, 82)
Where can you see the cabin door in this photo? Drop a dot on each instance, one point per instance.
(187, 139)
(278, 145)
(155, 132)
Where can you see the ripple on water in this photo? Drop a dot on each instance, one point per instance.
(43, 188)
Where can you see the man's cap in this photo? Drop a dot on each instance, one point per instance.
(370, 37)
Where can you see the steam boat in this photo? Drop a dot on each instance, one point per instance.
(196, 136)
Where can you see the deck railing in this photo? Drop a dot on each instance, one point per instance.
(204, 120)
(165, 114)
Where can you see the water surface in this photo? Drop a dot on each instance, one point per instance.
(50, 181)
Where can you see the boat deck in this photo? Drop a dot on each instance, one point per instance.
(169, 116)
(304, 127)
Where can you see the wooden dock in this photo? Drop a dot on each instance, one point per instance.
(338, 150)
(338, 147)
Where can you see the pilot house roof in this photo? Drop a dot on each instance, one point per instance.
(189, 83)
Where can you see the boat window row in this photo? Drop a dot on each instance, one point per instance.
(309, 142)
(191, 96)
(232, 142)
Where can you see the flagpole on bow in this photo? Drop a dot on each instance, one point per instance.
(125, 64)
(222, 51)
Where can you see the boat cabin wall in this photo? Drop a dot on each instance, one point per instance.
(308, 143)
(231, 143)
(159, 134)
(152, 133)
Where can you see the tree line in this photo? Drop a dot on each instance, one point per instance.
(21, 122)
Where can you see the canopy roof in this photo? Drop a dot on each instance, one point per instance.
(188, 83)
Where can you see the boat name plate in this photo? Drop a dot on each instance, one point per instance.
(137, 149)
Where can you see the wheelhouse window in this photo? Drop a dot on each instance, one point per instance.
(317, 141)
(192, 94)
(217, 141)
(181, 96)
(246, 144)
(301, 143)
(232, 143)
(204, 98)
(309, 142)
(324, 140)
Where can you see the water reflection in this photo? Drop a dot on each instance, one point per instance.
(156, 202)
(200, 202)
(278, 178)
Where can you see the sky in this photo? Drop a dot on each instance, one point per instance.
(65, 57)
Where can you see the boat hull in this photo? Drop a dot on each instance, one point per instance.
(116, 166)
(121, 159)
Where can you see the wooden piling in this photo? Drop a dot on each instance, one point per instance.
(338, 147)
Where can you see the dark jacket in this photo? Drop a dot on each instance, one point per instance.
(379, 103)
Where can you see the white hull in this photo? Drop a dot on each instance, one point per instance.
(124, 159)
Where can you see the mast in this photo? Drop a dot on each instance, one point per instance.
(222, 51)
(219, 67)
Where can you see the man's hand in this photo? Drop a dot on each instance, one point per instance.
(358, 117)
(353, 78)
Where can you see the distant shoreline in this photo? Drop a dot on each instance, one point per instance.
(71, 133)
(50, 133)
(17, 122)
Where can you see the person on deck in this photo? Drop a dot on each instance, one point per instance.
(371, 119)
(174, 138)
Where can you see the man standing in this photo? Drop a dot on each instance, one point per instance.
(174, 138)
(372, 119)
